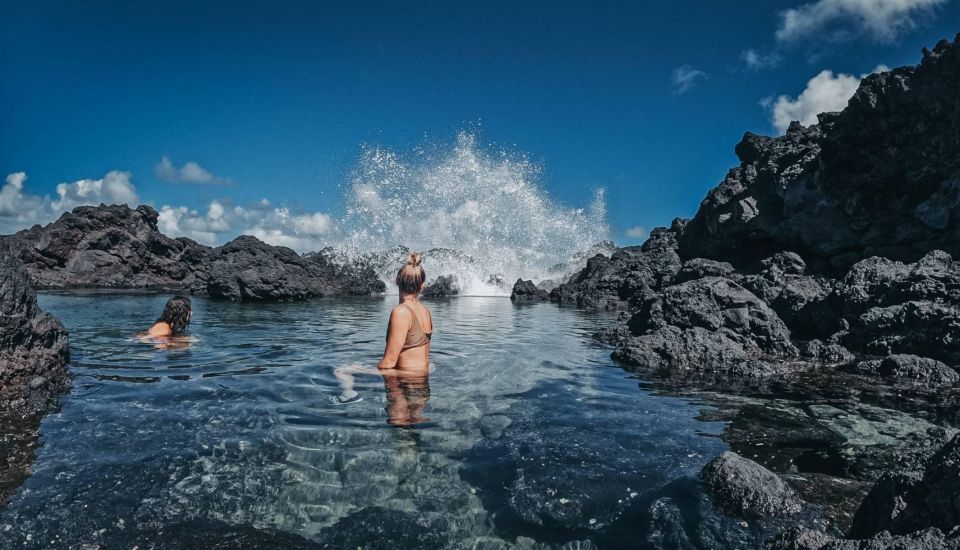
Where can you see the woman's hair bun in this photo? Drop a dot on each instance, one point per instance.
(415, 259)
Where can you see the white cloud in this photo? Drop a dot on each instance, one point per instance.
(756, 60)
(824, 93)
(843, 20)
(19, 209)
(637, 232)
(685, 78)
(191, 172)
(277, 226)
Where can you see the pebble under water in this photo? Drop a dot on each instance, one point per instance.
(527, 434)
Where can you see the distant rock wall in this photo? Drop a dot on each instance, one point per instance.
(119, 247)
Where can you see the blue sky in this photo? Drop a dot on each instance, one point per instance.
(276, 100)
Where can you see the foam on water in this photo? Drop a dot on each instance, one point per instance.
(481, 215)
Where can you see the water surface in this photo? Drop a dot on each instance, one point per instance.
(528, 434)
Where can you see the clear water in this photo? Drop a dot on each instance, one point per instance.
(529, 431)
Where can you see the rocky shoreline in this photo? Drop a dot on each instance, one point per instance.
(825, 256)
(825, 260)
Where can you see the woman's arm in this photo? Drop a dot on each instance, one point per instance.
(400, 321)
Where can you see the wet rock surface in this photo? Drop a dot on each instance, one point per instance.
(526, 291)
(443, 286)
(742, 487)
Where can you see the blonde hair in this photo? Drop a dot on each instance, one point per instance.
(411, 276)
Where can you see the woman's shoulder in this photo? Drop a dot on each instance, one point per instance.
(160, 328)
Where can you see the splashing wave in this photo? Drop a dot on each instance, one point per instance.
(480, 216)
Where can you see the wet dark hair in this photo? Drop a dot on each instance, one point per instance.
(411, 276)
(176, 314)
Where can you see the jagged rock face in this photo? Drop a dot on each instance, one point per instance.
(892, 308)
(706, 325)
(526, 291)
(443, 286)
(610, 283)
(33, 345)
(881, 178)
(249, 269)
(107, 247)
(741, 487)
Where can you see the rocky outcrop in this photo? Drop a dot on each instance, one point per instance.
(880, 178)
(108, 247)
(119, 247)
(33, 345)
(249, 269)
(443, 286)
(744, 488)
(526, 291)
(705, 325)
(611, 283)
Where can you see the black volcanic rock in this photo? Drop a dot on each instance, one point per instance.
(33, 345)
(907, 368)
(741, 487)
(706, 325)
(610, 283)
(907, 502)
(526, 291)
(443, 286)
(107, 247)
(880, 178)
(249, 269)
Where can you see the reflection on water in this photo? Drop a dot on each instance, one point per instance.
(521, 429)
(407, 397)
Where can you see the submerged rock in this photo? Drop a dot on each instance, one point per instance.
(907, 368)
(249, 269)
(742, 487)
(34, 346)
(107, 247)
(526, 291)
(443, 286)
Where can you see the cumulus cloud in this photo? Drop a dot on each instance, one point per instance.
(843, 20)
(274, 225)
(20, 209)
(824, 93)
(756, 60)
(191, 172)
(637, 232)
(685, 78)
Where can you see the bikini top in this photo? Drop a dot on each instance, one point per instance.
(416, 337)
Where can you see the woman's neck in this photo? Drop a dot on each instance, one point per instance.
(408, 298)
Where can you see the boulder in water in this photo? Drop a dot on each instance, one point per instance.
(744, 488)
(526, 291)
(443, 286)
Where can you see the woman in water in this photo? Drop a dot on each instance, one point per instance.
(174, 321)
(405, 365)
